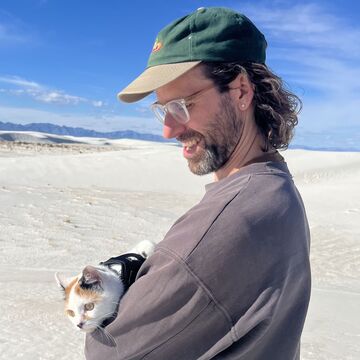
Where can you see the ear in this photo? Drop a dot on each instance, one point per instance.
(90, 276)
(245, 91)
(62, 280)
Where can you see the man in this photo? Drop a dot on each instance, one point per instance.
(231, 279)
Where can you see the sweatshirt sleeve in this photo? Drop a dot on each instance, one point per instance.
(159, 315)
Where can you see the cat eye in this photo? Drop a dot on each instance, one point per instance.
(89, 306)
(70, 313)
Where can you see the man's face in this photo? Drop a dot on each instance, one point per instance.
(208, 149)
(214, 128)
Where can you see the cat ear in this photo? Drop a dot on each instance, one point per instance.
(62, 280)
(90, 276)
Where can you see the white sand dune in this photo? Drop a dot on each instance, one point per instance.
(64, 207)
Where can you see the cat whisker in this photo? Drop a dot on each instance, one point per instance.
(107, 315)
(115, 302)
(100, 280)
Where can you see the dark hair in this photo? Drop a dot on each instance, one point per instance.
(275, 107)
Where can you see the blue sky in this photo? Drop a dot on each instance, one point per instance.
(63, 61)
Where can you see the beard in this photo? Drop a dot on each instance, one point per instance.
(222, 135)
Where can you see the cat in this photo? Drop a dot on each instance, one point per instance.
(93, 296)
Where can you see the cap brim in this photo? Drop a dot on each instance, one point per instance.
(153, 78)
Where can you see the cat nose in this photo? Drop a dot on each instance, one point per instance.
(80, 325)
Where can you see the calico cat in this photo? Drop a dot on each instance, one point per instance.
(93, 296)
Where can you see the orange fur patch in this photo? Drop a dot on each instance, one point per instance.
(68, 289)
(90, 296)
(84, 293)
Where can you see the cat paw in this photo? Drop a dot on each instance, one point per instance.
(144, 248)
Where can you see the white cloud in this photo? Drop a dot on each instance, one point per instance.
(56, 97)
(313, 49)
(16, 80)
(318, 43)
(317, 52)
(320, 115)
(308, 25)
(44, 94)
(311, 70)
(98, 103)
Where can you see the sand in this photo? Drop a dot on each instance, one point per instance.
(63, 207)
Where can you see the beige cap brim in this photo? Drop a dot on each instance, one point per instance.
(153, 78)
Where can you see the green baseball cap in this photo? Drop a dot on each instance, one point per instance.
(209, 34)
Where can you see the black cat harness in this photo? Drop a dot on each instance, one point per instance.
(130, 264)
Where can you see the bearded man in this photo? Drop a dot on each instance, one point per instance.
(231, 279)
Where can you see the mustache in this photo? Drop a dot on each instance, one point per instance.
(189, 135)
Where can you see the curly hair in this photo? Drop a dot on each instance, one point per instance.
(275, 107)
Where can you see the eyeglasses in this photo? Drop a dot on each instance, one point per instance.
(178, 108)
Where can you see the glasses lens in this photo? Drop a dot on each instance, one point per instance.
(159, 112)
(178, 111)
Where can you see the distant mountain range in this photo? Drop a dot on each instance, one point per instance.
(337, 140)
(80, 132)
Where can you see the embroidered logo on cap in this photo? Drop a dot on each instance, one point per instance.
(157, 46)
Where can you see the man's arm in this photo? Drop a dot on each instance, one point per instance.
(241, 293)
(161, 316)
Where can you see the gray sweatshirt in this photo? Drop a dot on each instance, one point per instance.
(230, 280)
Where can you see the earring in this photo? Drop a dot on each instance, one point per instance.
(242, 106)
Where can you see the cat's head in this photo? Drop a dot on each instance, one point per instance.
(91, 297)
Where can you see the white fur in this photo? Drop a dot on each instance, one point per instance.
(145, 248)
(111, 293)
(113, 290)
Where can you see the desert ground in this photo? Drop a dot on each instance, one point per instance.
(63, 206)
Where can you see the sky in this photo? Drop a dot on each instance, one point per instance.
(64, 61)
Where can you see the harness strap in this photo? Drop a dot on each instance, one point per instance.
(130, 265)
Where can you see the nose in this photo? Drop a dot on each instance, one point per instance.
(80, 325)
(172, 128)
